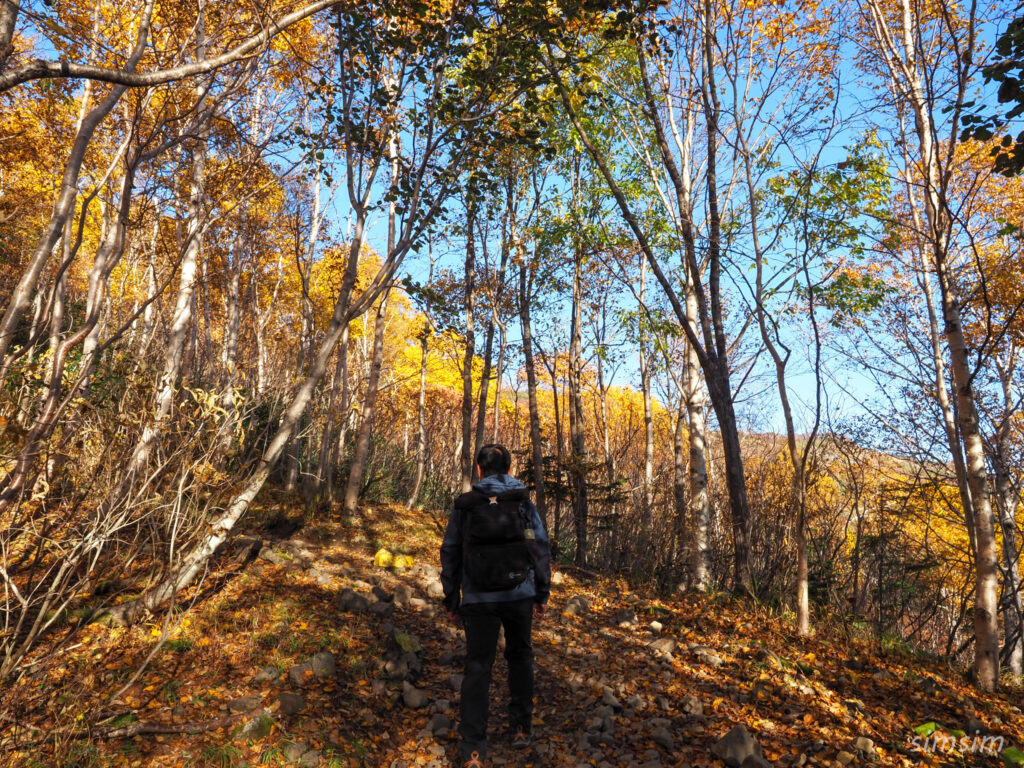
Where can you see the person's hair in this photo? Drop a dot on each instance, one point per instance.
(493, 459)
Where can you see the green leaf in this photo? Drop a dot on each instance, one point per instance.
(927, 729)
(1013, 757)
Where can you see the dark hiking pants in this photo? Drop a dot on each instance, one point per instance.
(482, 622)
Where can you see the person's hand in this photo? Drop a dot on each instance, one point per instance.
(454, 618)
(539, 609)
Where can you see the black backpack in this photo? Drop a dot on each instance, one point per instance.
(495, 556)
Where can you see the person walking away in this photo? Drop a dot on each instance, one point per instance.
(496, 572)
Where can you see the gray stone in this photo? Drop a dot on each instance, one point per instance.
(625, 618)
(403, 594)
(691, 705)
(273, 557)
(435, 590)
(663, 645)
(381, 594)
(300, 674)
(864, 746)
(577, 606)
(440, 724)
(291, 703)
(736, 746)
(557, 577)
(609, 700)
(656, 626)
(663, 739)
(323, 664)
(711, 659)
(413, 697)
(323, 580)
(268, 674)
(293, 750)
(845, 758)
(310, 759)
(396, 669)
(636, 702)
(244, 704)
(417, 603)
(442, 705)
(974, 725)
(257, 728)
(382, 609)
(605, 710)
(350, 600)
(455, 681)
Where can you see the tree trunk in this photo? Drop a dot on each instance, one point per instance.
(361, 451)
(466, 456)
(577, 436)
(536, 446)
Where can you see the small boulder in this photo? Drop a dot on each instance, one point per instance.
(736, 746)
(382, 609)
(290, 703)
(273, 557)
(625, 618)
(257, 728)
(403, 594)
(864, 746)
(396, 669)
(300, 674)
(845, 758)
(577, 606)
(435, 590)
(440, 724)
(323, 664)
(293, 750)
(413, 697)
(609, 700)
(663, 645)
(455, 681)
(244, 704)
(692, 706)
(557, 577)
(310, 759)
(656, 626)
(663, 738)
(268, 674)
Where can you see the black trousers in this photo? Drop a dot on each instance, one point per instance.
(482, 622)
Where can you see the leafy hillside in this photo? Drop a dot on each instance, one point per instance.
(310, 654)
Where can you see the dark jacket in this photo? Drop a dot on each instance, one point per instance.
(537, 584)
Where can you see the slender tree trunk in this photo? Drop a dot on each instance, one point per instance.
(645, 387)
(579, 448)
(536, 445)
(698, 501)
(1007, 503)
(421, 424)
(679, 495)
(466, 456)
(181, 320)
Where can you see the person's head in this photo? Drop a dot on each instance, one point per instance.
(493, 459)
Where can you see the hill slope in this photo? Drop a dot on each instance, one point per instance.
(312, 655)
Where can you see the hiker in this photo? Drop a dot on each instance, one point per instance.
(496, 553)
